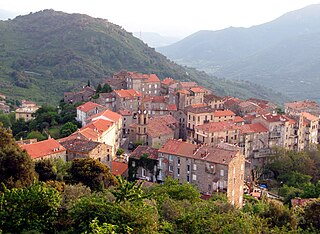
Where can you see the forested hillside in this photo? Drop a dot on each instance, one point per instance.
(46, 53)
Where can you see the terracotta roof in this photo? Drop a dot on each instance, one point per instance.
(301, 104)
(43, 148)
(199, 152)
(223, 113)
(154, 99)
(197, 90)
(217, 126)
(88, 106)
(128, 93)
(168, 81)
(274, 117)
(253, 128)
(152, 78)
(140, 150)
(80, 145)
(309, 116)
(238, 119)
(159, 126)
(93, 130)
(230, 101)
(119, 168)
(125, 112)
(172, 107)
(183, 91)
(108, 115)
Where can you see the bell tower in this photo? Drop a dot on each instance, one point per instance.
(142, 125)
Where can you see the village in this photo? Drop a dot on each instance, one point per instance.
(150, 129)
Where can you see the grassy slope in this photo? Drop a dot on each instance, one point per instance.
(65, 50)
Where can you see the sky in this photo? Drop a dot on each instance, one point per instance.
(176, 18)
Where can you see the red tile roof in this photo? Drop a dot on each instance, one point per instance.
(119, 168)
(140, 150)
(238, 119)
(197, 90)
(183, 91)
(200, 152)
(274, 118)
(172, 107)
(95, 129)
(309, 116)
(168, 81)
(159, 126)
(152, 78)
(253, 128)
(125, 112)
(223, 113)
(154, 99)
(108, 115)
(217, 126)
(88, 106)
(128, 93)
(43, 148)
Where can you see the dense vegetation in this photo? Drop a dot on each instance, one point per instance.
(279, 54)
(48, 52)
(57, 201)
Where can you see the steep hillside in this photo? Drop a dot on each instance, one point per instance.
(271, 53)
(48, 52)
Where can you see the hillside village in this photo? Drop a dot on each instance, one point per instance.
(150, 129)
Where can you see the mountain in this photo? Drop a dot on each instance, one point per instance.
(46, 53)
(155, 40)
(281, 54)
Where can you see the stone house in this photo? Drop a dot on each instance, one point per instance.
(189, 97)
(144, 83)
(158, 105)
(107, 100)
(211, 169)
(26, 110)
(165, 84)
(215, 102)
(86, 110)
(144, 165)
(297, 107)
(80, 148)
(127, 121)
(129, 99)
(308, 130)
(223, 115)
(83, 95)
(47, 149)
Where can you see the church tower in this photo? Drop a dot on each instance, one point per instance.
(142, 124)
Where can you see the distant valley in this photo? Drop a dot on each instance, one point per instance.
(155, 40)
(283, 54)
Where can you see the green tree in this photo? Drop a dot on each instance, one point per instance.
(16, 166)
(45, 170)
(91, 173)
(99, 88)
(4, 119)
(31, 208)
(311, 215)
(67, 129)
(106, 88)
(36, 135)
(20, 128)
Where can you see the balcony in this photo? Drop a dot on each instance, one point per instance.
(275, 135)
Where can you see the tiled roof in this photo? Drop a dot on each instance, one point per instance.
(128, 93)
(154, 99)
(274, 118)
(43, 148)
(309, 116)
(217, 126)
(158, 126)
(183, 91)
(301, 104)
(253, 128)
(88, 106)
(140, 150)
(145, 77)
(108, 115)
(119, 168)
(197, 90)
(172, 107)
(238, 119)
(223, 113)
(93, 130)
(125, 112)
(199, 152)
(152, 78)
(168, 81)
(80, 145)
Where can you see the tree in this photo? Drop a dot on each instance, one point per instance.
(45, 170)
(128, 191)
(106, 88)
(36, 135)
(67, 129)
(31, 208)
(312, 214)
(16, 166)
(99, 88)
(4, 119)
(91, 173)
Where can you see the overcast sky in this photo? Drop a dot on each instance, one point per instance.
(177, 18)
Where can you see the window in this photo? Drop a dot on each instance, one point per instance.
(171, 157)
(188, 178)
(194, 167)
(143, 172)
(221, 172)
(188, 168)
(178, 161)
(149, 86)
(194, 177)
(155, 85)
(178, 171)
(170, 168)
